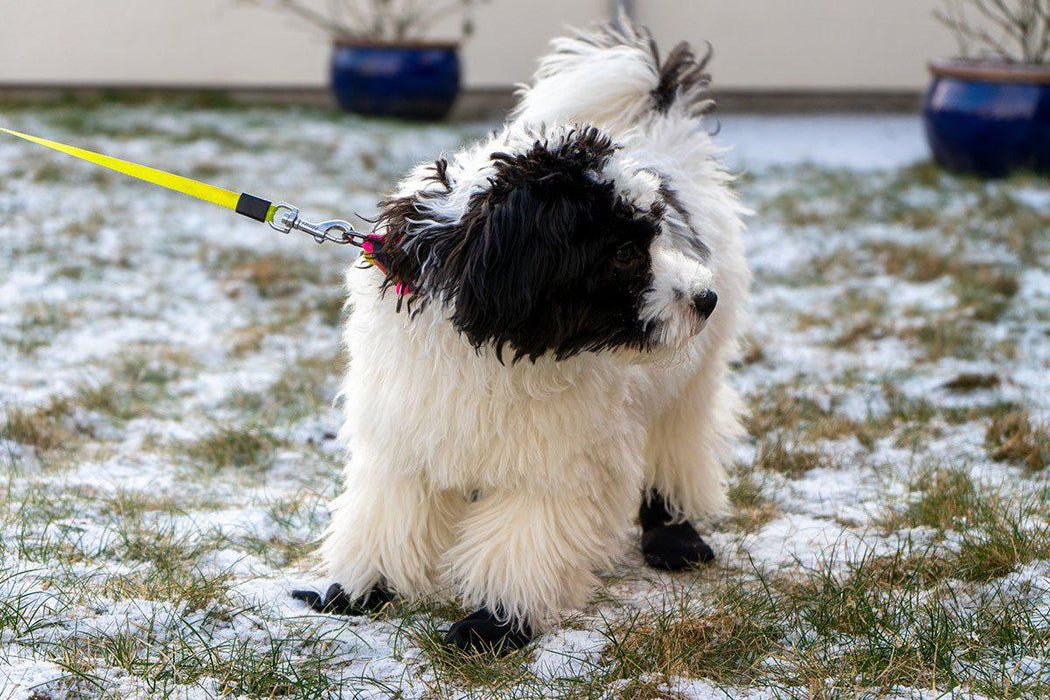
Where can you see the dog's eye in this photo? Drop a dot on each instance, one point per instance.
(627, 256)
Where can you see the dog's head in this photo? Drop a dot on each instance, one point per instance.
(548, 242)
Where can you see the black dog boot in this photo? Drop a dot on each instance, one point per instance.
(482, 631)
(336, 602)
(668, 546)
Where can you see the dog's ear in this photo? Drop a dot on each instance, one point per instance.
(517, 249)
(527, 242)
(412, 234)
(494, 267)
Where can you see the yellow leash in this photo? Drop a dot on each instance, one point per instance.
(281, 216)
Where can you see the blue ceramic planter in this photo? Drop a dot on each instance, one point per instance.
(989, 120)
(406, 81)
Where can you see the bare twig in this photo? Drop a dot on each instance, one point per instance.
(439, 13)
(1025, 27)
(952, 15)
(964, 31)
(1002, 17)
(391, 20)
(315, 18)
(1043, 14)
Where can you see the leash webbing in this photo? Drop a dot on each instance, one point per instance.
(281, 216)
(243, 203)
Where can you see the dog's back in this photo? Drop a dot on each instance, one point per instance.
(612, 76)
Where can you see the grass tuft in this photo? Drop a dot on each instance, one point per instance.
(948, 499)
(233, 446)
(47, 428)
(726, 641)
(985, 291)
(1007, 541)
(1014, 437)
(751, 509)
(302, 390)
(995, 534)
(972, 381)
(791, 460)
(274, 276)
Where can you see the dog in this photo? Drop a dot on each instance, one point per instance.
(539, 349)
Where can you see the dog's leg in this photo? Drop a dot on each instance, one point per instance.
(667, 544)
(688, 446)
(387, 534)
(526, 557)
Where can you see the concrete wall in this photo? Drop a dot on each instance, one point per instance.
(760, 44)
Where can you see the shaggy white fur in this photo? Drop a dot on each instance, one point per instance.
(509, 485)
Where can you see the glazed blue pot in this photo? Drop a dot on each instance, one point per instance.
(405, 81)
(989, 120)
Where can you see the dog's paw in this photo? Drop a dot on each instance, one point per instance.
(675, 547)
(482, 631)
(337, 602)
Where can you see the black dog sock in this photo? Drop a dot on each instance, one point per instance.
(337, 602)
(668, 546)
(482, 631)
(653, 512)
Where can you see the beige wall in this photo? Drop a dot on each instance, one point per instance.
(822, 44)
(767, 44)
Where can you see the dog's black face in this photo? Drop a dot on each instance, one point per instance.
(545, 258)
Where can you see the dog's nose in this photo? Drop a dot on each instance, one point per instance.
(705, 303)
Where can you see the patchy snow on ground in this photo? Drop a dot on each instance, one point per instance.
(168, 374)
(858, 142)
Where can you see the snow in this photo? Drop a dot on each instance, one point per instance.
(122, 272)
(568, 653)
(857, 142)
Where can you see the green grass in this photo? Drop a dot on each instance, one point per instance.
(751, 507)
(284, 548)
(234, 446)
(38, 323)
(483, 671)
(785, 410)
(1007, 542)
(331, 308)
(725, 641)
(301, 390)
(166, 656)
(882, 622)
(995, 534)
(274, 276)
(48, 428)
(791, 460)
(948, 499)
(149, 555)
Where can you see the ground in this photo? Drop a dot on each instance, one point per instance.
(168, 391)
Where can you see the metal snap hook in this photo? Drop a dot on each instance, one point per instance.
(286, 218)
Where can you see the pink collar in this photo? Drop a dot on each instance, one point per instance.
(368, 246)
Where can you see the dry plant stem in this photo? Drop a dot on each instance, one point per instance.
(395, 20)
(316, 19)
(1024, 27)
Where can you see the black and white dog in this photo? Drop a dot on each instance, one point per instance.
(537, 352)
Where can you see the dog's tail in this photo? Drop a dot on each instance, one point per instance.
(612, 76)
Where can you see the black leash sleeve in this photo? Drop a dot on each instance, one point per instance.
(253, 207)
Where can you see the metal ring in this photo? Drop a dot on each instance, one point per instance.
(284, 224)
(342, 227)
